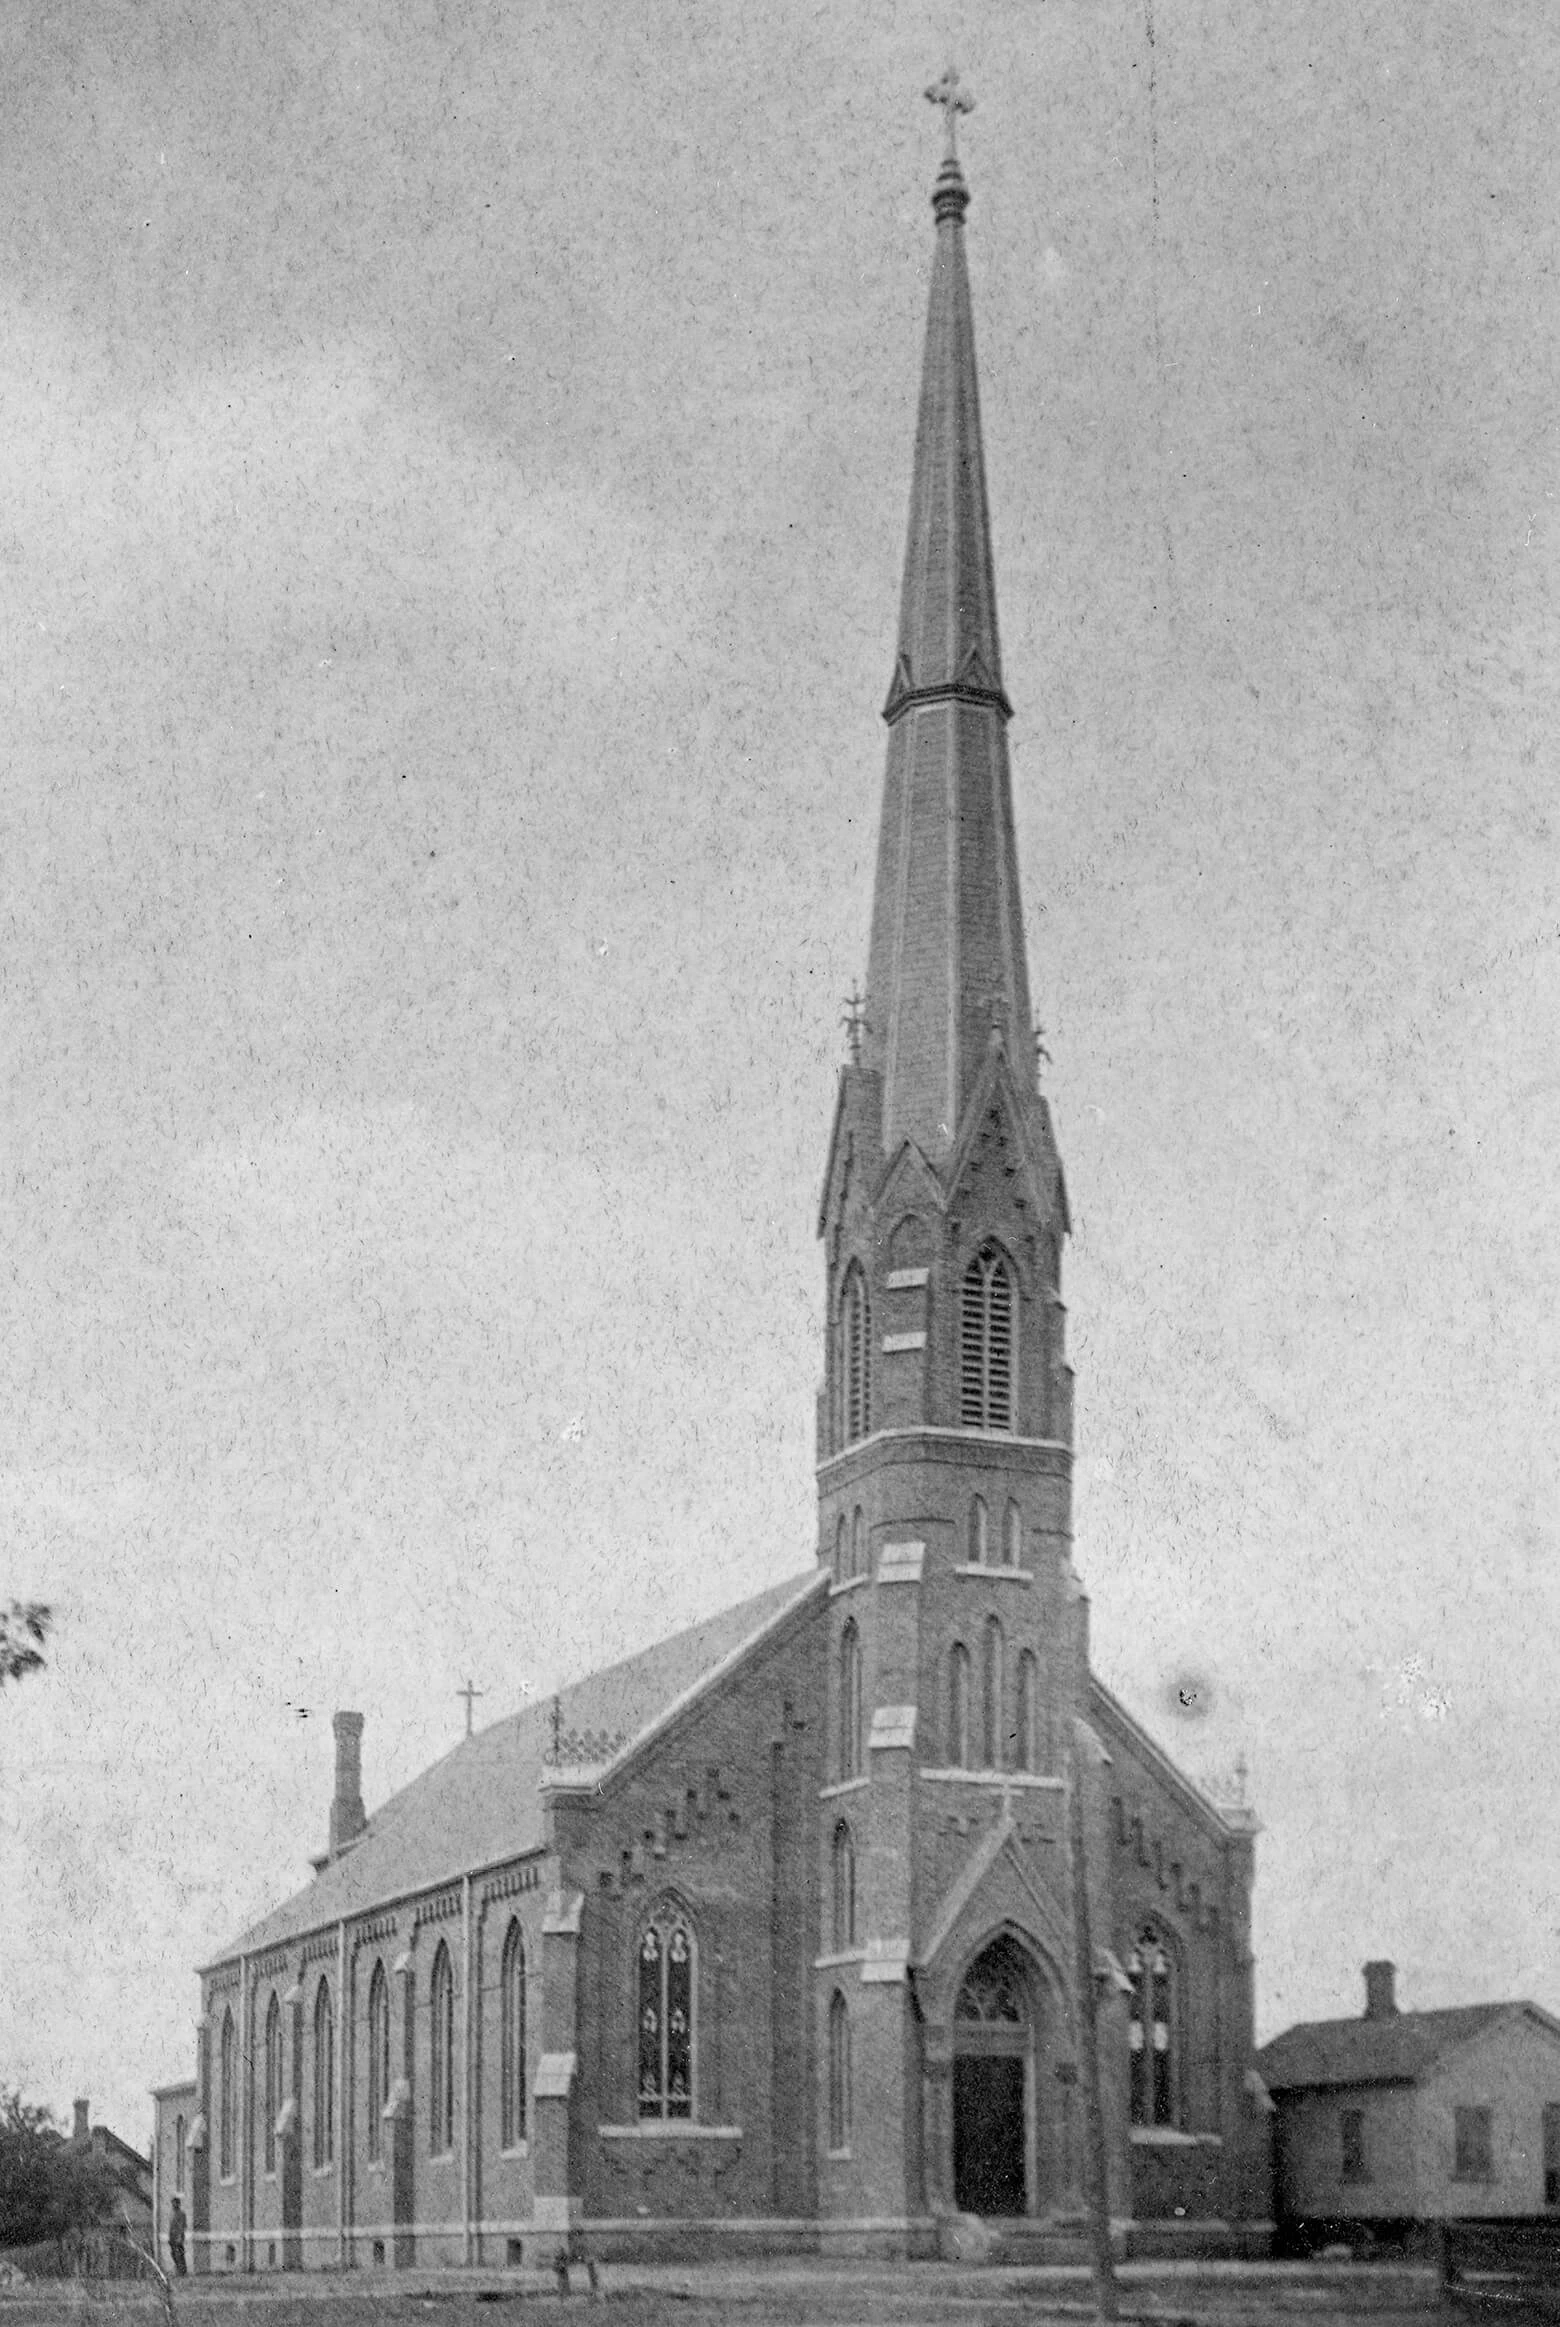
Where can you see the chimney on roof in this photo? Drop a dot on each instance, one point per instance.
(80, 2132)
(1380, 2001)
(347, 1814)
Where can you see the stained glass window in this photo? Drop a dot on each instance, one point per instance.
(1151, 2031)
(666, 2009)
(378, 2060)
(512, 2040)
(441, 2056)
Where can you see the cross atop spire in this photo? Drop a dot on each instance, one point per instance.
(953, 101)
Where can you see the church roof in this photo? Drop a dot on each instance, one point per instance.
(1393, 2049)
(482, 1803)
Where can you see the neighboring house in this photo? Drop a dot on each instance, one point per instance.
(1405, 2117)
(768, 1937)
(131, 2169)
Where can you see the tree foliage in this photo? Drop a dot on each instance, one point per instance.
(24, 1627)
(48, 2184)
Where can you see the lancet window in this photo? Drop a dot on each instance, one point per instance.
(980, 1533)
(1012, 1537)
(667, 1989)
(850, 1702)
(855, 1356)
(839, 2073)
(991, 1694)
(844, 1887)
(512, 2039)
(324, 2077)
(986, 1342)
(958, 1706)
(1152, 2029)
(227, 2114)
(378, 2062)
(1025, 1742)
(273, 2078)
(441, 2056)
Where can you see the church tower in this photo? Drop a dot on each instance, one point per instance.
(958, 1652)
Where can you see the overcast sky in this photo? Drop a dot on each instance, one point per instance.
(453, 468)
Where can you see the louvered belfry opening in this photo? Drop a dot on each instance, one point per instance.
(857, 1353)
(986, 1343)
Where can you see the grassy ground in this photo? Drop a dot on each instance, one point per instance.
(771, 2294)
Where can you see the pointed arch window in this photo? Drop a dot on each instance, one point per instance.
(841, 1550)
(1152, 2030)
(227, 2113)
(844, 1887)
(958, 1706)
(178, 2154)
(991, 1695)
(986, 1342)
(856, 1355)
(667, 1988)
(324, 2076)
(839, 2073)
(1025, 1743)
(273, 2078)
(980, 1533)
(850, 1702)
(512, 2039)
(441, 2056)
(1012, 1537)
(858, 1544)
(378, 2063)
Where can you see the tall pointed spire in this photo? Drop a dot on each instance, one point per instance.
(946, 970)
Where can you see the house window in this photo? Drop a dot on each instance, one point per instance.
(378, 2062)
(227, 2120)
(958, 1706)
(178, 2155)
(978, 1532)
(1012, 1537)
(856, 1355)
(666, 2017)
(1473, 2158)
(273, 2079)
(850, 1702)
(1552, 2153)
(324, 2077)
(1151, 2030)
(991, 1694)
(844, 1873)
(512, 2039)
(441, 2056)
(986, 1343)
(839, 2073)
(1024, 1729)
(1351, 2138)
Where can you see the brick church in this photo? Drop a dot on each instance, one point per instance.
(767, 1938)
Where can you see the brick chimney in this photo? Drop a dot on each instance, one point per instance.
(347, 1814)
(81, 2132)
(1380, 2001)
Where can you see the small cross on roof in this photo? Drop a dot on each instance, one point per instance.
(953, 101)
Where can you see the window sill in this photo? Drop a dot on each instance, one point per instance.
(516, 2149)
(842, 1786)
(994, 1573)
(669, 2129)
(1171, 2137)
(843, 1956)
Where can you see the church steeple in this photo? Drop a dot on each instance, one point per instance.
(946, 968)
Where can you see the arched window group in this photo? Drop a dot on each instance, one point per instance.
(512, 2040)
(378, 2062)
(986, 1342)
(850, 1702)
(855, 1357)
(839, 2073)
(667, 1966)
(324, 2077)
(273, 2078)
(843, 1870)
(227, 2112)
(1152, 2030)
(441, 2056)
(987, 1733)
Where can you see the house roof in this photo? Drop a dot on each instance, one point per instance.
(482, 1803)
(1394, 2050)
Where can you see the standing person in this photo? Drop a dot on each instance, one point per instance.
(176, 2236)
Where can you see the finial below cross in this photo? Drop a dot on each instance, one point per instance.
(953, 101)
(471, 1694)
(854, 1022)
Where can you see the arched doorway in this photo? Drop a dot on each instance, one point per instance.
(993, 2084)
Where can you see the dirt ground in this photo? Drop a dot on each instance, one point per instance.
(761, 2295)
